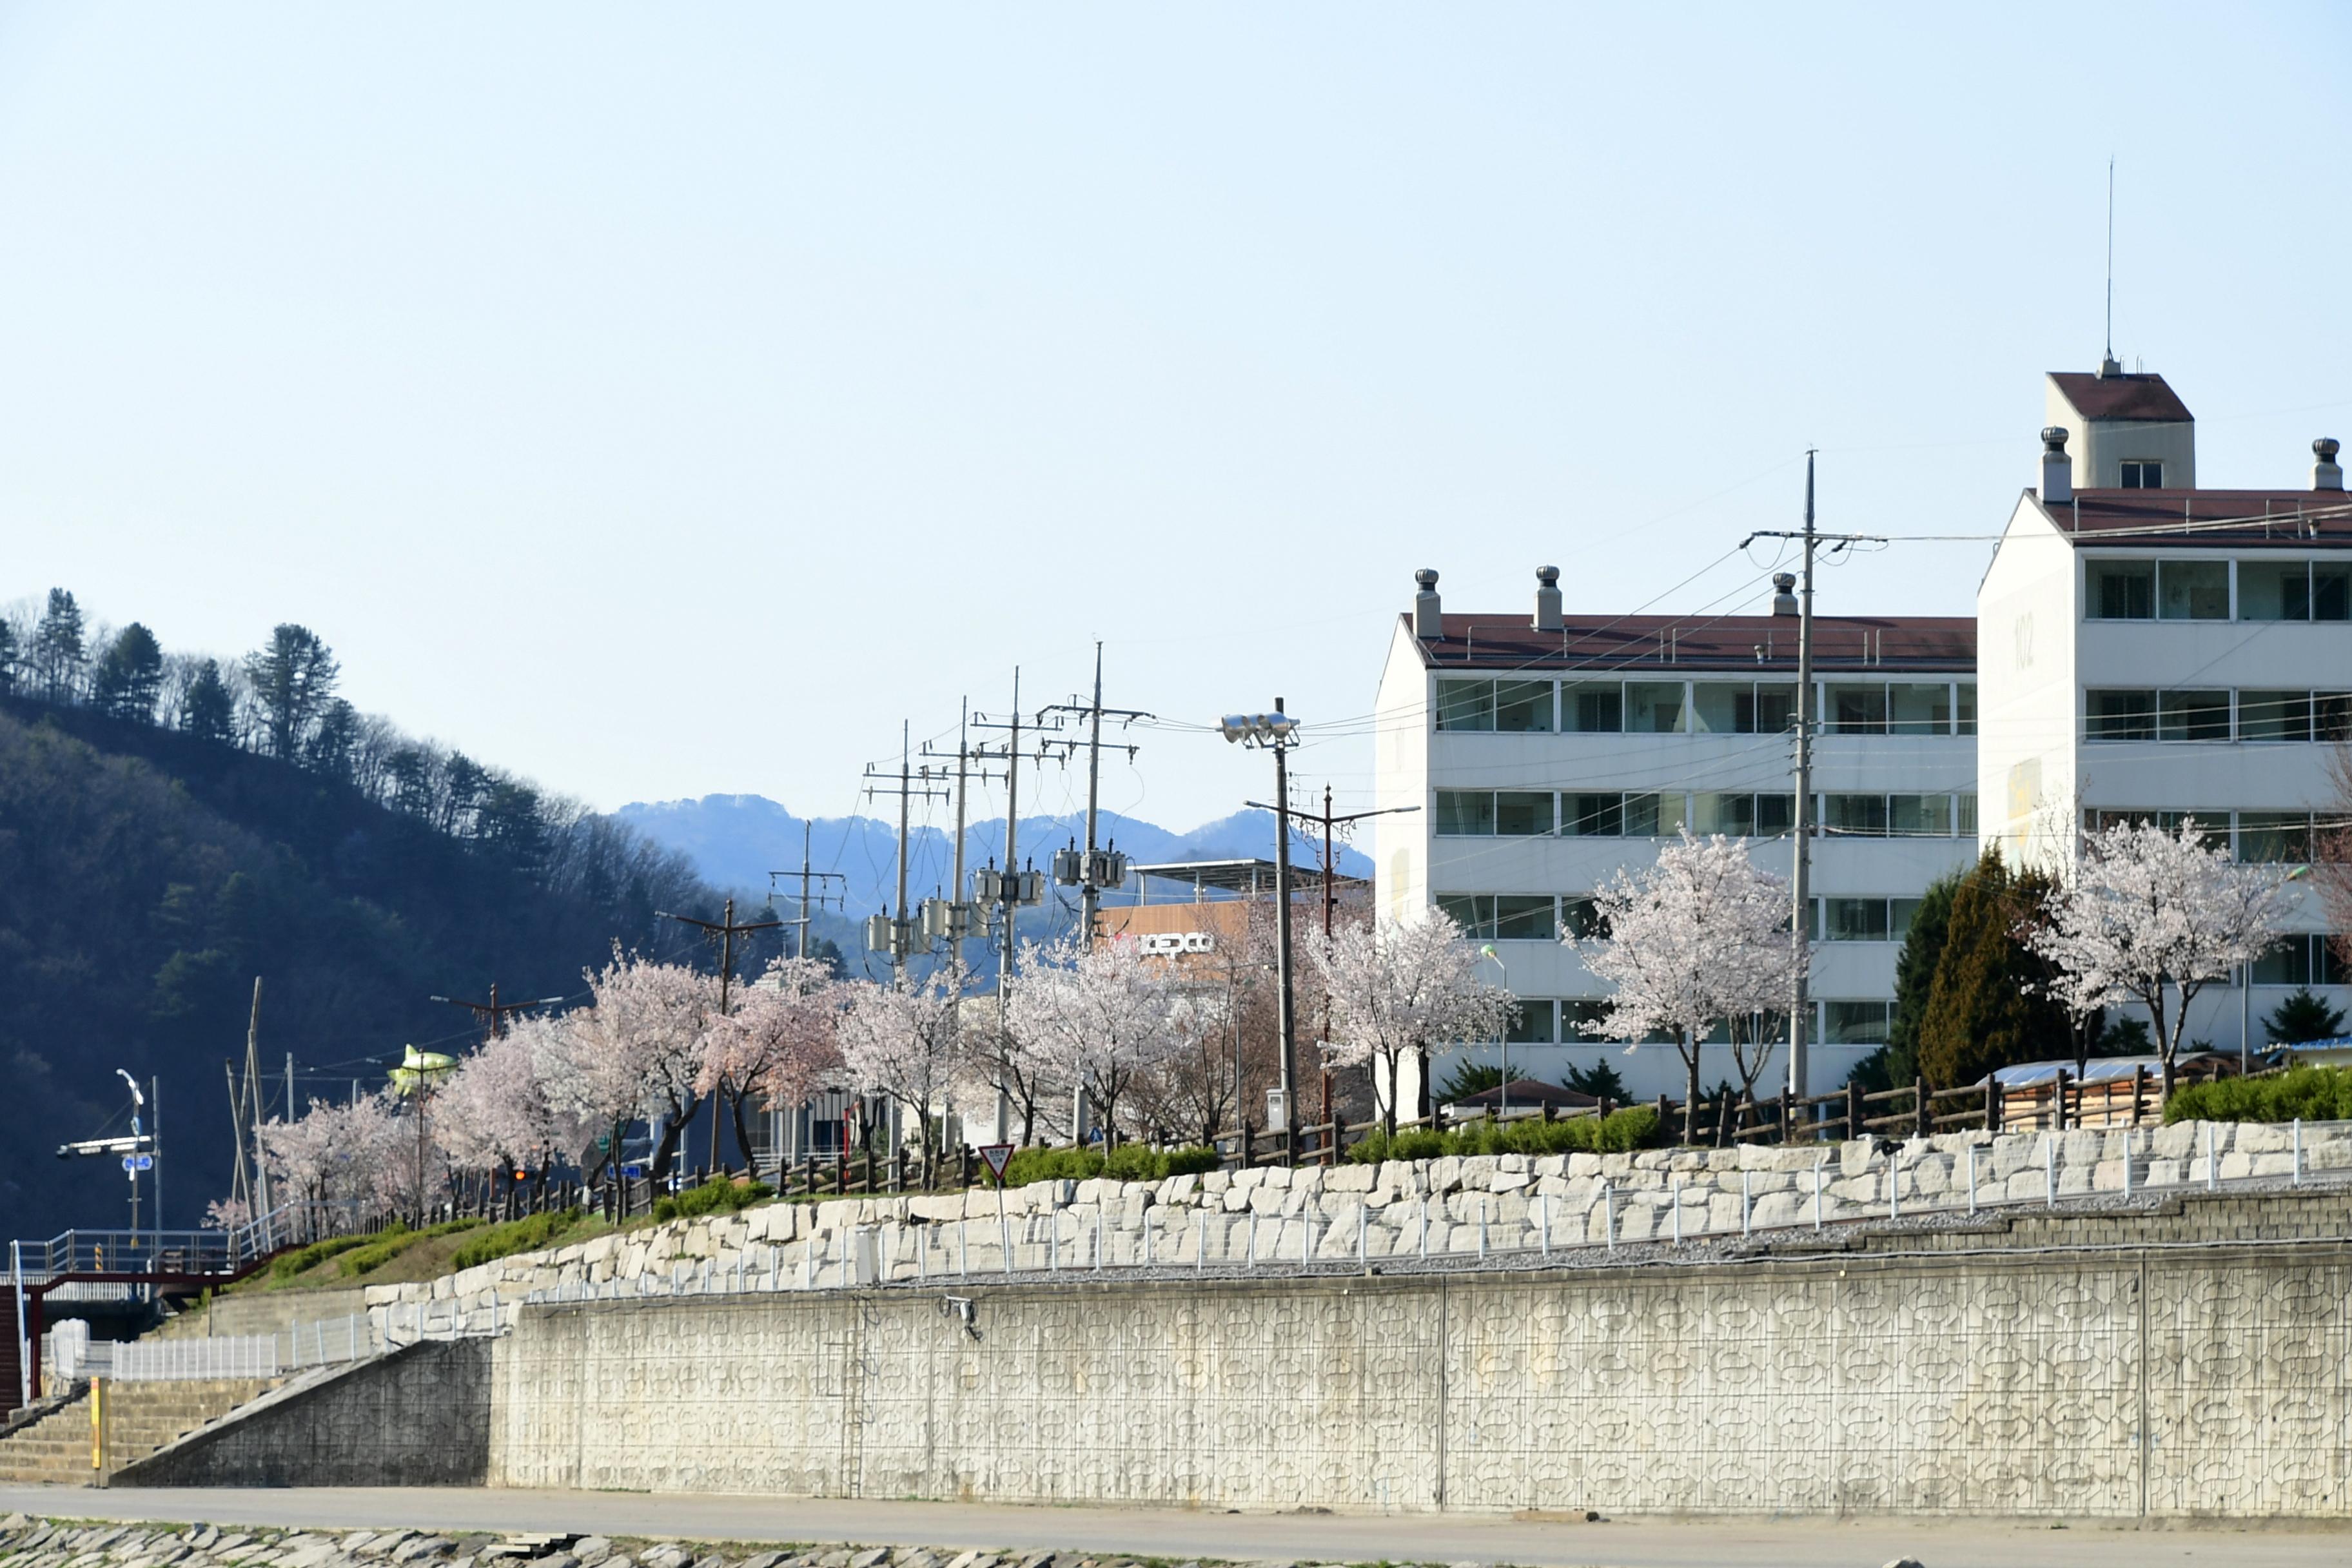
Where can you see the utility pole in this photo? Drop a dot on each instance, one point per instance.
(894, 933)
(1278, 732)
(722, 933)
(806, 876)
(1009, 890)
(1097, 868)
(1331, 826)
(951, 918)
(492, 1014)
(1801, 921)
(252, 1099)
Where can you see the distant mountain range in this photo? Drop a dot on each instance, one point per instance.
(735, 841)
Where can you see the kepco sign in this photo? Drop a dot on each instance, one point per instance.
(1163, 943)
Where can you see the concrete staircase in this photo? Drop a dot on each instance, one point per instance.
(134, 1420)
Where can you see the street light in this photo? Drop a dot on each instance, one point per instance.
(1502, 1107)
(1277, 731)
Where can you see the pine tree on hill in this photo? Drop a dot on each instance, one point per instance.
(1987, 1006)
(57, 654)
(8, 660)
(293, 680)
(129, 676)
(208, 712)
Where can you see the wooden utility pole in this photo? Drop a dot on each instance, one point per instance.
(492, 1014)
(1331, 825)
(722, 933)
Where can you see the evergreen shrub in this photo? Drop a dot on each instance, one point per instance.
(2305, 1093)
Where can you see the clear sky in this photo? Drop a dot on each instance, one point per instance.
(667, 400)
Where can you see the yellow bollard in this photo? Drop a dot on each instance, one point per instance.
(97, 1424)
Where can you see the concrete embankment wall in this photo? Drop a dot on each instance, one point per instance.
(415, 1417)
(2156, 1383)
(1458, 1207)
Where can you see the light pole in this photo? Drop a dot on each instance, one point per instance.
(1502, 1107)
(1276, 733)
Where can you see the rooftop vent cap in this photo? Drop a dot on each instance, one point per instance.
(1427, 620)
(1547, 599)
(2057, 468)
(2327, 474)
(1784, 596)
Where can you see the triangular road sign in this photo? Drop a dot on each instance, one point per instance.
(996, 1156)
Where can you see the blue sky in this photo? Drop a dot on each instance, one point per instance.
(668, 401)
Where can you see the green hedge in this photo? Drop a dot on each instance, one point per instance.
(391, 1244)
(317, 1252)
(525, 1235)
(2307, 1094)
(1635, 1127)
(1127, 1162)
(717, 1195)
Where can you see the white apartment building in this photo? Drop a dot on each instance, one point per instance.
(1546, 752)
(2146, 649)
(2152, 649)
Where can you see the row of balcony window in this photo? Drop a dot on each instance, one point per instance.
(2264, 589)
(2215, 713)
(1513, 706)
(2253, 837)
(1560, 1020)
(1575, 813)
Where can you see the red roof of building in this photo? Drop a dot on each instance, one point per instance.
(2122, 396)
(1843, 644)
(2235, 520)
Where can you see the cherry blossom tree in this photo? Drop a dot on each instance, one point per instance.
(491, 1113)
(779, 1045)
(634, 1051)
(1699, 937)
(995, 1063)
(904, 1041)
(1397, 988)
(1095, 1015)
(2144, 912)
(354, 1156)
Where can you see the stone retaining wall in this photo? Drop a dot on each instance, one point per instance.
(1459, 1206)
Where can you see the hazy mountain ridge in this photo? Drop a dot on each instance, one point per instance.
(734, 841)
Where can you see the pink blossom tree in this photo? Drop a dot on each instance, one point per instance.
(904, 1041)
(1397, 989)
(779, 1045)
(491, 1113)
(2144, 911)
(1096, 1015)
(354, 1157)
(634, 1051)
(1699, 937)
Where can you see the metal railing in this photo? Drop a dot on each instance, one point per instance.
(180, 1252)
(69, 1354)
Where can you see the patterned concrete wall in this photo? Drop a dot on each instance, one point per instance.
(417, 1417)
(2016, 1385)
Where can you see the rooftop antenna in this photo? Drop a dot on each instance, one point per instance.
(2107, 365)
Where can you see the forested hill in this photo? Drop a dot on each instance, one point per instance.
(148, 874)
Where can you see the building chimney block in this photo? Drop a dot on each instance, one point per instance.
(1547, 599)
(2057, 468)
(1427, 622)
(2327, 473)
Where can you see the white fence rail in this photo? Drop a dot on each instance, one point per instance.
(68, 1354)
